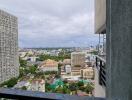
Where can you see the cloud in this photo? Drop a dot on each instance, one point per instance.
(53, 23)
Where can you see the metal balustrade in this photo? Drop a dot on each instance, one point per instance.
(101, 66)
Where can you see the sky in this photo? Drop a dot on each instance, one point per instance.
(53, 23)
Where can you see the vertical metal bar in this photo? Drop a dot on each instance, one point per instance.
(96, 61)
(103, 43)
(100, 80)
(99, 45)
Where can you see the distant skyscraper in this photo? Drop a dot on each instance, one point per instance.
(78, 58)
(9, 62)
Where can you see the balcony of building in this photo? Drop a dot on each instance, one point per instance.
(30, 95)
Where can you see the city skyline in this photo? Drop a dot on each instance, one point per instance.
(47, 23)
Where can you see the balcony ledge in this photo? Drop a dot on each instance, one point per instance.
(33, 95)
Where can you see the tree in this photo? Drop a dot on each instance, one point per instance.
(21, 71)
(73, 87)
(94, 52)
(47, 87)
(66, 90)
(57, 76)
(10, 83)
(61, 57)
(59, 69)
(65, 81)
(50, 72)
(67, 56)
(89, 88)
(23, 63)
(82, 88)
(80, 83)
(43, 77)
(32, 69)
(39, 74)
(26, 71)
(24, 88)
(45, 57)
(59, 89)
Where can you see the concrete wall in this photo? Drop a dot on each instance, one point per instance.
(119, 49)
(100, 15)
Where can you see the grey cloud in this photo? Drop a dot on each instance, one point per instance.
(53, 22)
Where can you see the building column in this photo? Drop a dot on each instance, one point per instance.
(119, 50)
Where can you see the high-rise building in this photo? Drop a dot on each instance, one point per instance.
(9, 61)
(78, 59)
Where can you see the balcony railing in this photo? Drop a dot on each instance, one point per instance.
(31, 95)
(101, 66)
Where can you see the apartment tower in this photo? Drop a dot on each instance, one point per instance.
(9, 61)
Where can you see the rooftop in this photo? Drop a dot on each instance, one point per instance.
(78, 53)
(67, 61)
(49, 63)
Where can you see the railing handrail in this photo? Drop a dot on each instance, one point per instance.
(101, 58)
(100, 65)
(33, 95)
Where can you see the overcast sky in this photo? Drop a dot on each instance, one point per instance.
(53, 23)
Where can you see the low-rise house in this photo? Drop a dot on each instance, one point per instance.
(22, 53)
(68, 69)
(90, 59)
(32, 59)
(29, 63)
(54, 53)
(30, 52)
(81, 93)
(87, 73)
(37, 85)
(75, 71)
(25, 58)
(63, 70)
(48, 65)
(67, 61)
(21, 84)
